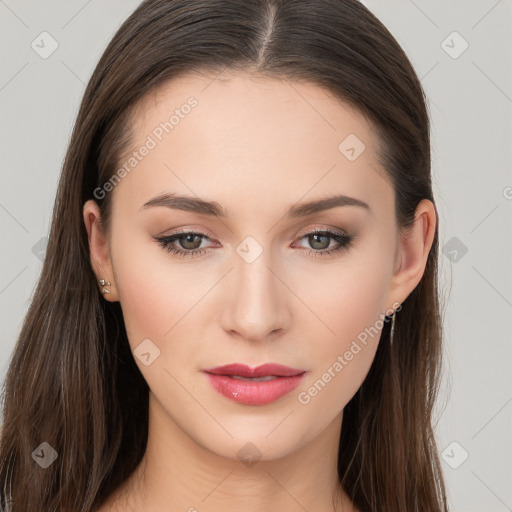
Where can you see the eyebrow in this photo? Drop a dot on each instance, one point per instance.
(203, 207)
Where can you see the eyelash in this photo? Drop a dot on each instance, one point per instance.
(344, 240)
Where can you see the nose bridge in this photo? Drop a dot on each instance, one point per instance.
(256, 307)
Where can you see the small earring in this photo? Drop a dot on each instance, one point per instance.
(104, 283)
(392, 328)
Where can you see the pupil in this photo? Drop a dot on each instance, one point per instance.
(187, 240)
(315, 241)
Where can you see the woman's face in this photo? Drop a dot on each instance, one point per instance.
(254, 285)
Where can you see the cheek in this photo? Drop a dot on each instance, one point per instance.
(352, 318)
(346, 300)
(162, 302)
(154, 294)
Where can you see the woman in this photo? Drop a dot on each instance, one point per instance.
(238, 309)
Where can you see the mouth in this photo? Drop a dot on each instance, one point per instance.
(254, 386)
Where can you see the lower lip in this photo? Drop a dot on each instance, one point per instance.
(254, 392)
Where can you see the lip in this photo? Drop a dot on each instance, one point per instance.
(285, 380)
(264, 370)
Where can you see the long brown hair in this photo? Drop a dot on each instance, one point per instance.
(73, 382)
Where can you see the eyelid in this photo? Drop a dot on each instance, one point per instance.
(186, 230)
(322, 229)
(207, 234)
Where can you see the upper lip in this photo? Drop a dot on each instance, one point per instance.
(242, 370)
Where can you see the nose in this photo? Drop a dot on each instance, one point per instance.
(257, 304)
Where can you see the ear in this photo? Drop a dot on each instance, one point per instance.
(99, 250)
(415, 245)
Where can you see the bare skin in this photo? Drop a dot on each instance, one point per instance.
(257, 147)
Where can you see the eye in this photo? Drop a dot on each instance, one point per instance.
(190, 243)
(320, 240)
(189, 240)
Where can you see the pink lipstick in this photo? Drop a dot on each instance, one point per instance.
(254, 386)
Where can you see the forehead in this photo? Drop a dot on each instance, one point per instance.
(221, 135)
(226, 100)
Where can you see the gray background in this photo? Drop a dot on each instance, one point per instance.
(470, 96)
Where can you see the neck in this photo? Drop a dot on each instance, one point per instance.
(178, 474)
